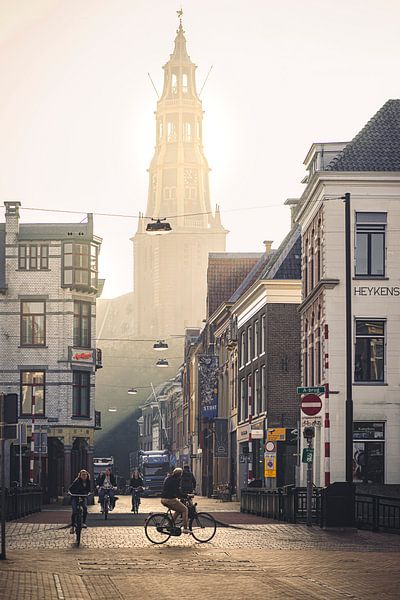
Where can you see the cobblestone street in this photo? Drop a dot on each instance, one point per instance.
(250, 557)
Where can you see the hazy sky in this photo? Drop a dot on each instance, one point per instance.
(76, 104)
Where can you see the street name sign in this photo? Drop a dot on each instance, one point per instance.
(311, 405)
(318, 389)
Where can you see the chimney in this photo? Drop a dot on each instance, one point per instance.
(268, 244)
(12, 221)
(293, 203)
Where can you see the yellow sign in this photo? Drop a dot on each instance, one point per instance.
(276, 435)
(269, 465)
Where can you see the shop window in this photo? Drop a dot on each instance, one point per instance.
(368, 452)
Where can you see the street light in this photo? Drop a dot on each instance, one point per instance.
(158, 227)
(160, 345)
(349, 349)
(132, 391)
(162, 363)
(112, 409)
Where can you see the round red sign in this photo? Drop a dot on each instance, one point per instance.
(311, 405)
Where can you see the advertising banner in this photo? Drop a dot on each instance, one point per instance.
(221, 438)
(208, 385)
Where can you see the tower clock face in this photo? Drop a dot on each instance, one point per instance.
(190, 177)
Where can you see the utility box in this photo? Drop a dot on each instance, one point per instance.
(338, 505)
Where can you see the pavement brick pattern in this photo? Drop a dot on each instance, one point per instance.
(249, 560)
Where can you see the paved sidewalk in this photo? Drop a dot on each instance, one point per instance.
(252, 560)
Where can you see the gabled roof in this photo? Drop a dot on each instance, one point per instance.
(376, 147)
(286, 262)
(252, 276)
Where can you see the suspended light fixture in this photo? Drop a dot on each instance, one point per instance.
(158, 227)
(162, 363)
(132, 391)
(112, 409)
(160, 345)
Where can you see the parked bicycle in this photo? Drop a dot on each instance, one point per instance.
(159, 527)
(78, 526)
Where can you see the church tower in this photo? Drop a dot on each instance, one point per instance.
(170, 271)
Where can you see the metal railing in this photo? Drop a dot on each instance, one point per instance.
(377, 512)
(282, 504)
(23, 501)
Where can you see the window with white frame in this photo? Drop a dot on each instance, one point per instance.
(249, 343)
(242, 348)
(256, 338)
(262, 334)
(369, 364)
(370, 244)
(243, 399)
(262, 389)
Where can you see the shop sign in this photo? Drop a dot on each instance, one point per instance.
(269, 464)
(244, 432)
(82, 356)
(276, 435)
(366, 430)
(257, 434)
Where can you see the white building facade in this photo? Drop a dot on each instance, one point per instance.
(48, 356)
(368, 168)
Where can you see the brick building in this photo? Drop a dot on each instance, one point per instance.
(48, 288)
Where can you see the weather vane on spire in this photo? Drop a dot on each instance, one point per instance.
(180, 13)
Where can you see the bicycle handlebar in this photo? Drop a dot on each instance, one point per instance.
(80, 495)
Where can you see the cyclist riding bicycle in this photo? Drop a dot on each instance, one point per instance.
(106, 483)
(136, 486)
(171, 495)
(81, 485)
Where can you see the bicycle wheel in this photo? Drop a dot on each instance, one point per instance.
(78, 528)
(203, 527)
(158, 528)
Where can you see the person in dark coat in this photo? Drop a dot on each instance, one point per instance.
(170, 497)
(188, 481)
(106, 482)
(81, 485)
(136, 485)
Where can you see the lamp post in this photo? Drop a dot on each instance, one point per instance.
(349, 349)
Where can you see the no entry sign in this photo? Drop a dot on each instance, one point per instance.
(311, 405)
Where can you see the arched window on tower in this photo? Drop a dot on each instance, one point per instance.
(174, 84)
(160, 130)
(185, 87)
(187, 132)
(171, 132)
(198, 130)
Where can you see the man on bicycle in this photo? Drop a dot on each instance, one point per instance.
(81, 485)
(106, 483)
(170, 497)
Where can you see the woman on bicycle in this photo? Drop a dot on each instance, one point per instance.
(81, 485)
(136, 485)
(106, 482)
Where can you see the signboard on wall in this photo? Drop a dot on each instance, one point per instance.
(208, 385)
(221, 438)
(276, 435)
